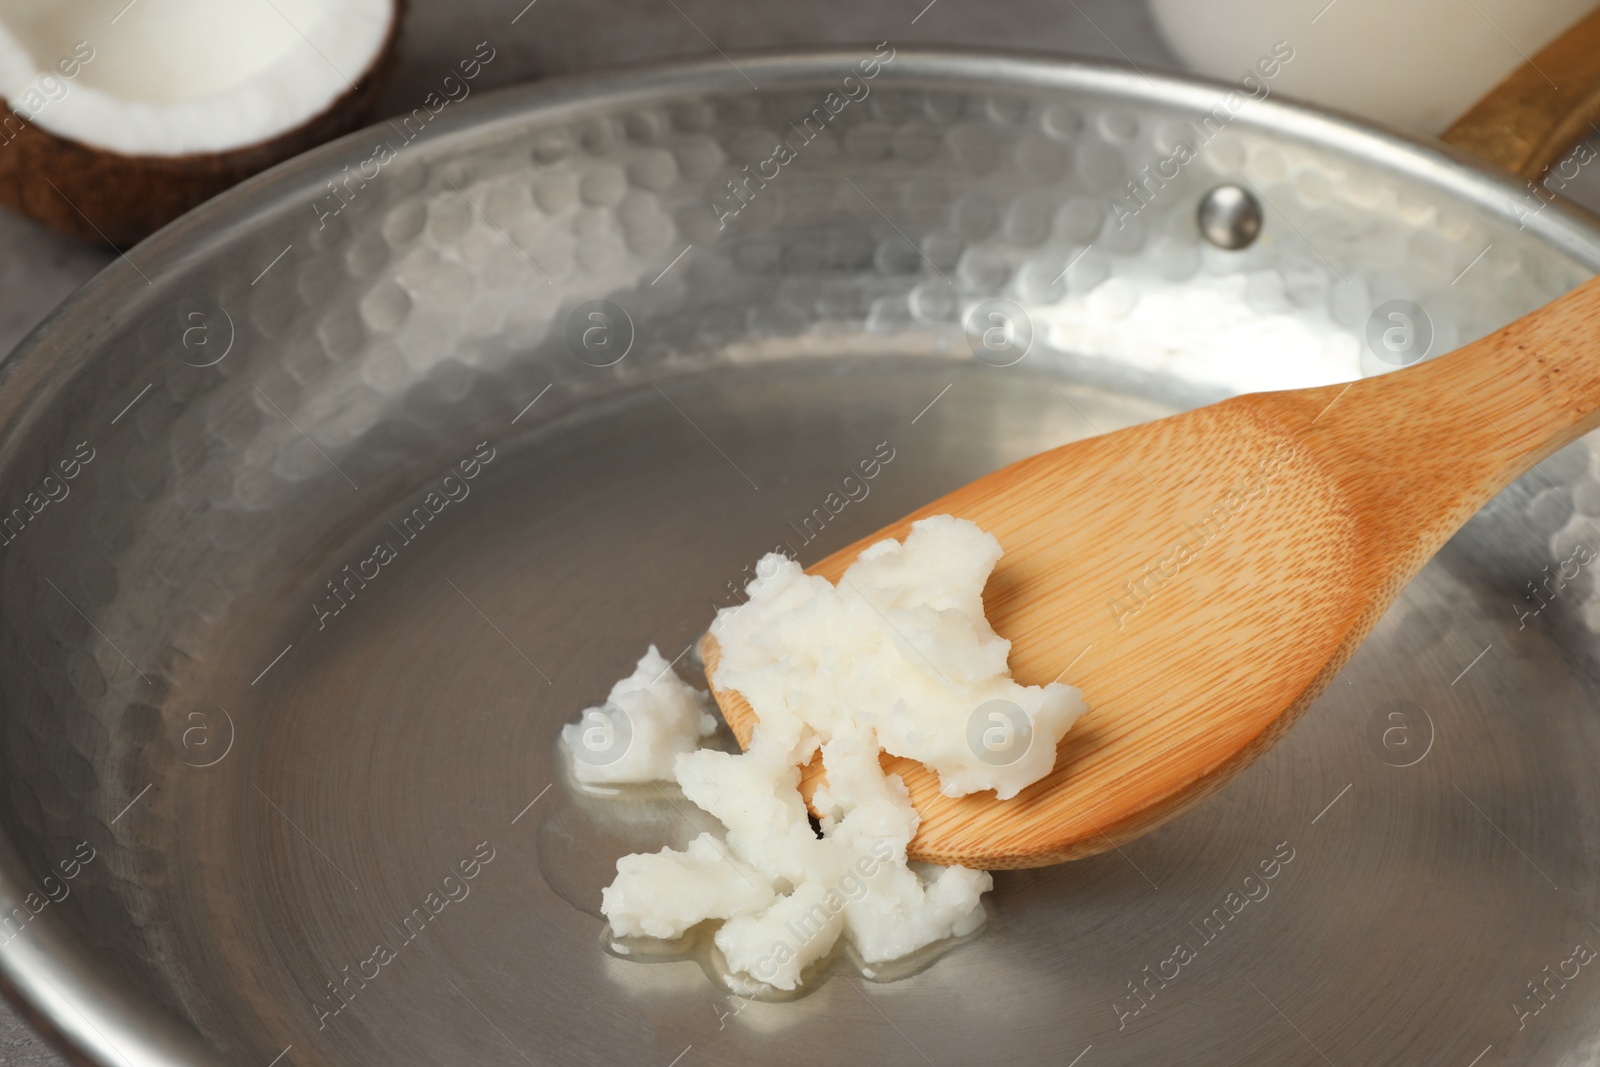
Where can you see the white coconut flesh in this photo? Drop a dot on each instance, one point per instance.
(183, 77)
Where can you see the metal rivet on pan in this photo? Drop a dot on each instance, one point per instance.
(1229, 217)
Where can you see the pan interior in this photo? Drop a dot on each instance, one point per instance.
(328, 757)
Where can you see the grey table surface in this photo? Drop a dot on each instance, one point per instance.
(562, 37)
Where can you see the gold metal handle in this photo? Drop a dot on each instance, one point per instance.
(1541, 109)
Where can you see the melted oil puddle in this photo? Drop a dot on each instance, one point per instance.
(588, 828)
(698, 945)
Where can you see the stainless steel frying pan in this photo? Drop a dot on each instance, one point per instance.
(328, 504)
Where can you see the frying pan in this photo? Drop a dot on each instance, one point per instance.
(328, 504)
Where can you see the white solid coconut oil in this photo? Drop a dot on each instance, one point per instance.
(898, 658)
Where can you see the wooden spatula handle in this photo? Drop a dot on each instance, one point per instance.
(1420, 450)
(1534, 385)
(1540, 110)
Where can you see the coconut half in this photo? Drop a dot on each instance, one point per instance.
(120, 116)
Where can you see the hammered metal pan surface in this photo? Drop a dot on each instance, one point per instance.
(361, 509)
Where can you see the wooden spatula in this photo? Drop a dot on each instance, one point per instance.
(1206, 575)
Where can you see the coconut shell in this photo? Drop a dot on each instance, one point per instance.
(100, 195)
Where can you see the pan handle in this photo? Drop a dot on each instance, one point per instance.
(1541, 109)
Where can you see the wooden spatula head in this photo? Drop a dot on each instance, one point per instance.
(1202, 578)
(1178, 596)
